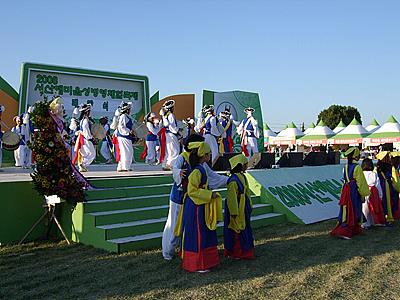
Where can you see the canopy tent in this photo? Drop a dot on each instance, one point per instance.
(282, 132)
(310, 128)
(352, 134)
(268, 133)
(318, 136)
(387, 133)
(287, 136)
(339, 127)
(374, 126)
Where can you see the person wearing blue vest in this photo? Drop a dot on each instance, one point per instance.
(226, 143)
(30, 130)
(354, 191)
(202, 210)
(238, 235)
(171, 126)
(249, 133)
(180, 172)
(106, 144)
(2, 108)
(124, 136)
(20, 154)
(153, 128)
(85, 145)
(209, 127)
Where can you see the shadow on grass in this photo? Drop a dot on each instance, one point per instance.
(84, 272)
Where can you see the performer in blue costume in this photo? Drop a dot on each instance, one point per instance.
(106, 143)
(124, 136)
(202, 210)
(238, 235)
(354, 191)
(23, 133)
(84, 144)
(226, 141)
(249, 133)
(181, 171)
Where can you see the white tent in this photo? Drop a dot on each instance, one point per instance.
(387, 133)
(310, 128)
(287, 136)
(318, 136)
(339, 127)
(352, 134)
(374, 126)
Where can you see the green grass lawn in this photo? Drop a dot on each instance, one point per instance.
(293, 262)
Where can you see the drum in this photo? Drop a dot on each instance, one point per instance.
(98, 131)
(10, 141)
(140, 130)
(182, 129)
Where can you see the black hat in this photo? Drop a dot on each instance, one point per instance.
(169, 104)
(85, 107)
(208, 108)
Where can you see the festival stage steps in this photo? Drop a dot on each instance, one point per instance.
(129, 213)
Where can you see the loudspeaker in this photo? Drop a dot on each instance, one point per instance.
(291, 159)
(222, 163)
(316, 159)
(333, 158)
(266, 161)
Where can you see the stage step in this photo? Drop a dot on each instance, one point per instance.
(128, 213)
(150, 240)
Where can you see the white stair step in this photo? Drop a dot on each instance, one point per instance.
(149, 236)
(134, 187)
(133, 223)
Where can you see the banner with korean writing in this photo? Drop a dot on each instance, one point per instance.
(103, 90)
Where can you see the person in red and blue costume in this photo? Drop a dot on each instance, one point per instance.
(226, 142)
(202, 209)
(354, 191)
(238, 235)
(390, 184)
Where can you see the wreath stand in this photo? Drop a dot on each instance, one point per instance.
(49, 212)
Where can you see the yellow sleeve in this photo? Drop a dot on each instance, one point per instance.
(395, 179)
(231, 199)
(362, 185)
(197, 194)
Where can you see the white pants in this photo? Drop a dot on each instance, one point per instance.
(88, 153)
(20, 156)
(169, 240)
(251, 146)
(212, 142)
(105, 150)
(28, 156)
(151, 151)
(173, 148)
(125, 154)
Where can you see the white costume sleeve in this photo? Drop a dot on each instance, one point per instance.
(378, 186)
(255, 126)
(236, 123)
(153, 129)
(214, 128)
(199, 125)
(123, 119)
(215, 180)
(86, 129)
(106, 127)
(172, 123)
(176, 169)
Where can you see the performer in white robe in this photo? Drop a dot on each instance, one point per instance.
(86, 150)
(2, 108)
(169, 122)
(124, 130)
(106, 145)
(153, 126)
(30, 130)
(249, 132)
(20, 154)
(180, 173)
(209, 127)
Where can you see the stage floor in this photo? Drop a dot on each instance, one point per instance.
(12, 174)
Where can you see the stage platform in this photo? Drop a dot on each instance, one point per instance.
(14, 174)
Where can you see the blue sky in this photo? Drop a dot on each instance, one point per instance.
(300, 56)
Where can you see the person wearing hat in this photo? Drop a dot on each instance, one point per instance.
(171, 126)
(153, 127)
(389, 179)
(249, 133)
(84, 147)
(124, 137)
(238, 235)
(30, 129)
(202, 209)
(180, 173)
(2, 108)
(106, 144)
(211, 132)
(354, 191)
(20, 154)
(226, 143)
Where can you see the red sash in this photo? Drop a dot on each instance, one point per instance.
(345, 199)
(80, 141)
(230, 144)
(116, 148)
(375, 206)
(163, 143)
